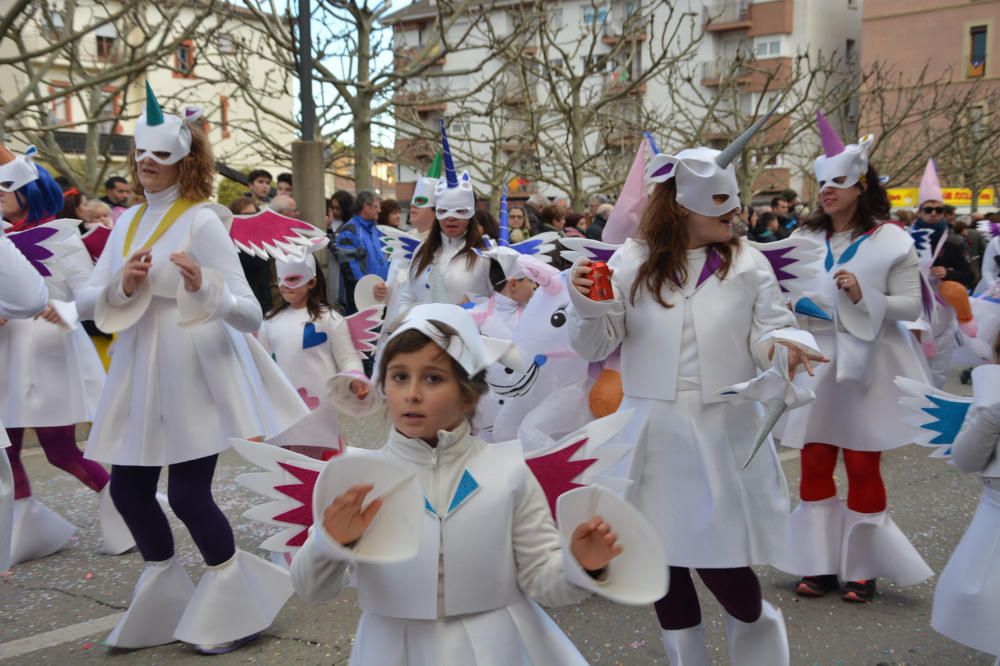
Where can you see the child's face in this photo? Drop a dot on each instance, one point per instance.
(423, 394)
(103, 218)
(519, 289)
(296, 296)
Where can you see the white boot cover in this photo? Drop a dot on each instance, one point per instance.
(38, 531)
(816, 530)
(6, 510)
(158, 602)
(874, 546)
(686, 647)
(234, 600)
(116, 538)
(760, 643)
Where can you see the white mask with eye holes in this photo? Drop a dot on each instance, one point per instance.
(167, 142)
(459, 202)
(845, 169)
(16, 172)
(703, 186)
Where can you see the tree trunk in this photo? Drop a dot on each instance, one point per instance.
(362, 106)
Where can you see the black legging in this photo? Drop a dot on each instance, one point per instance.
(738, 590)
(189, 489)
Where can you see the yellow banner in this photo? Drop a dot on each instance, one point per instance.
(906, 197)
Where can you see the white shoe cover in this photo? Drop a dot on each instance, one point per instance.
(233, 600)
(38, 531)
(816, 530)
(874, 546)
(6, 509)
(116, 538)
(158, 602)
(760, 643)
(686, 647)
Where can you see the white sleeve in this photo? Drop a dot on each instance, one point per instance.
(770, 314)
(989, 268)
(596, 328)
(224, 292)
(538, 554)
(316, 576)
(22, 289)
(976, 444)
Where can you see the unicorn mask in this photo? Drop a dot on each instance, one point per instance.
(423, 191)
(840, 166)
(163, 138)
(453, 196)
(706, 179)
(16, 172)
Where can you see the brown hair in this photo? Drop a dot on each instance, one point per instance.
(664, 228)
(873, 208)
(471, 388)
(239, 204)
(195, 172)
(316, 302)
(425, 253)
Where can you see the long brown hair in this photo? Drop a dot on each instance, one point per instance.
(873, 208)
(664, 228)
(316, 302)
(195, 172)
(425, 253)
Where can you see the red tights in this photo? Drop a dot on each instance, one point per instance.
(865, 489)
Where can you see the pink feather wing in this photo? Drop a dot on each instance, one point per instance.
(363, 326)
(268, 233)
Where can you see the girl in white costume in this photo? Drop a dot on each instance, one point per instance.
(185, 375)
(445, 267)
(696, 310)
(872, 285)
(488, 544)
(312, 345)
(51, 375)
(22, 295)
(967, 596)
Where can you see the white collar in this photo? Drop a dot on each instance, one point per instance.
(164, 197)
(451, 445)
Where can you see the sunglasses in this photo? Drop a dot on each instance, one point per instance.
(933, 209)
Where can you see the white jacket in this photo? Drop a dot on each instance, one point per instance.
(977, 448)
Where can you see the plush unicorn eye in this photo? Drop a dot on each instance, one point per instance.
(558, 318)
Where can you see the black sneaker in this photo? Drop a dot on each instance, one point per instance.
(859, 591)
(817, 586)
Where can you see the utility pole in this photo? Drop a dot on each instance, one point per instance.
(307, 153)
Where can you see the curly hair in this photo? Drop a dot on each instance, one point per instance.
(873, 208)
(196, 171)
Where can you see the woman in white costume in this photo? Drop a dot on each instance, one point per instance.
(487, 543)
(871, 284)
(51, 375)
(22, 295)
(446, 268)
(185, 375)
(696, 310)
(967, 596)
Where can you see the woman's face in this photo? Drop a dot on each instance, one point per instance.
(836, 201)
(515, 218)
(9, 206)
(704, 230)
(395, 218)
(336, 213)
(81, 208)
(154, 176)
(454, 227)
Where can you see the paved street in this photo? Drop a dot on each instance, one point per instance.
(59, 609)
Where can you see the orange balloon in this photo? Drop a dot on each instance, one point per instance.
(606, 393)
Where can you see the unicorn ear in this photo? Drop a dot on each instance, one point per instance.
(193, 113)
(545, 276)
(661, 168)
(503, 351)
(866, 143)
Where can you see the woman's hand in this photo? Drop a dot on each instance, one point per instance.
(594, 544)
(190, 270)
(344, 521)
(847, 282)
(380, 291)
(359, 389)
(581, 282)
(50, 315)
(799, 356)
(940, 272)
(136, 269)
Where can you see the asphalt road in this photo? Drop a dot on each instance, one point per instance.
(59, 609)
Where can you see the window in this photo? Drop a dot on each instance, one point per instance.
(184, 60)
(105, 48)
(226, 45)
(767, 47)
(111, 110)
(61, 110)
(595, 15)
(556, 18)
(850, 52)
(224, 115)
(977, 52)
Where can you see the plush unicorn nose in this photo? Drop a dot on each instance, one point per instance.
(541, 359)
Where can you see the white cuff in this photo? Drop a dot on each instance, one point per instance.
(863, 319)
(588, 308)
(344, 399)
(328, 547)
(114, 311)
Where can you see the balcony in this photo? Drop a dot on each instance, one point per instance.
(617, 86)
(424, 100)
(728, 15)
(75, 143)
(630, 31)
(415, 151)
(748, 74)
(404, 55)
(518, 146)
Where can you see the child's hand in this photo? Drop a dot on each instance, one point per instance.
(190, 270)
(359, 389)
(380, 291)
(344, 520)
(594, 544)
(50, 315)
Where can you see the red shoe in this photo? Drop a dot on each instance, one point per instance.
(859, 591)
(817, 586)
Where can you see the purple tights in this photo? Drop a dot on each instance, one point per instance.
(738, 590)
(59, 445)
(189, 490)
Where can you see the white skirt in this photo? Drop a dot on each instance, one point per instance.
(49, 375)
(176, 394)
(967, 597)
(689, 484)
(518, 635)
(849, 414)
